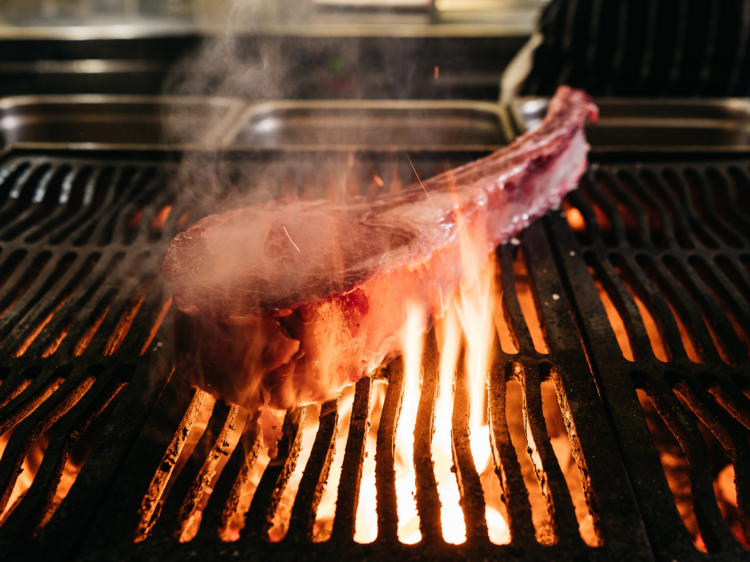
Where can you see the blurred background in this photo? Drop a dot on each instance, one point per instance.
(330, 49)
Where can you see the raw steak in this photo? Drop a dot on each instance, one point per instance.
(286, 302)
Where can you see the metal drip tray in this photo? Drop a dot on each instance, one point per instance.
(98, 121)
(655, 125)
(374, 125)
(139, 122)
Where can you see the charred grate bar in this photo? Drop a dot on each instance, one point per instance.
(667, 244)
(83, 314)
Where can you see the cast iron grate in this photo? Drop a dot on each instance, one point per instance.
(84, 312)
(669, 245)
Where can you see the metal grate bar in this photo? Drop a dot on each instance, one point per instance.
(20, 195)
(66, 203)
(666, 532)
(90, 317)
(53, 334)
(44, 384)
(548, 473)
(694, 260)
(608, 207)
(511, 306)
(42, 204)
(351, 469)
(428, 500)
(385, 473)
(131, 292)
(113, 224)
(48, 278)
(626, 308)
(99, 193)
(208, 470)
(515, 495)
(75, 514)
(148, 466)
(713, 529)
(657, 304)
(730, 434)
(316, 472)
(469, 485)
(22, 278)
(274, 480)
(640, 235)
(148, 510)
(716, 317)
(223, 502)
(170, 518)
(14, 382)
(30, 515)
(29, 326)
(77, 383)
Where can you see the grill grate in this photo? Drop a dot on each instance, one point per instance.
(84, 312)
(674, 236)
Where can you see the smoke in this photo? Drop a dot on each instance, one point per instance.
(261, 50)
(231, 68)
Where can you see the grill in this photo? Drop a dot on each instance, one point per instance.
(647, 260)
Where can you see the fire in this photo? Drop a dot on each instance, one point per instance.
(327, 507)
(471, 317)
(366, 528)
(161, 218)
(30, 467)
(412, 342)
(574, 217)
(468, 318)
(451, 516)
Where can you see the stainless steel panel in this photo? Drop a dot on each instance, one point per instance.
(656, 125)
(380, 125)
(111, 121)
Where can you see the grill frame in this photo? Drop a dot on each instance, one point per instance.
(109, 478)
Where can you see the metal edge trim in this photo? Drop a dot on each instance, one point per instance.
(14, 101)
(87, 33)
(248, 148)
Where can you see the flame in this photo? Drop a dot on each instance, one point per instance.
(29, 468)
(412, 343)
(284, 511)
(366, 524)
(246, 496)
(615, 320)
(573, 216)
(451, 515)
(193, 525)
(471, 316)
(327, 507)
(161, 218)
